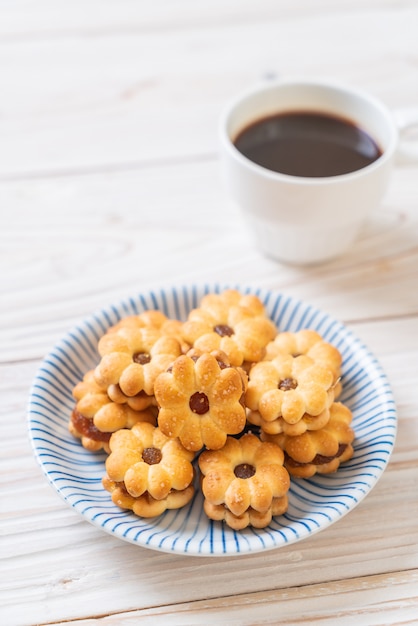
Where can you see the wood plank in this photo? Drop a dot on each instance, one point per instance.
(372, 601)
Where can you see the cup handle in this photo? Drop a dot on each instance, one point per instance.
(407, 121)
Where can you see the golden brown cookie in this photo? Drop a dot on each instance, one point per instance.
(229, 299)
(244, 483)
(280, 425)
(288, 387)
(151, 318)
(232, 322)
(95, 416)
(91, 437)
(250, 517)
(154, 320)
(140, 402)
(321, 451)
(146, 505)
(200, 402)
(133, 358)
(310, 343)
(145, 468)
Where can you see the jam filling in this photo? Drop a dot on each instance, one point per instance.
(244, 470)
(319, 459)
(86, 427)
(223, 330)
(199, 403)
(142, 358)
(152, 456)
(286, 384)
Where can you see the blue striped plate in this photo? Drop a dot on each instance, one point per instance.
(314, 504)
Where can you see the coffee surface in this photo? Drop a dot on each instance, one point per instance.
(307, 144)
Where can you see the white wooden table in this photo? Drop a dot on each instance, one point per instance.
(110, 184)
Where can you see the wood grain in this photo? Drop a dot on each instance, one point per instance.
(368, 600)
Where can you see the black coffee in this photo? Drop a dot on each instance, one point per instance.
(307, 144)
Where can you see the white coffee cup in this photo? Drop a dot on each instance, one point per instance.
(299, 219)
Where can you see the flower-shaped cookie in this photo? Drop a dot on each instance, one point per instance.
(279, 425)
(231, 322)
(140, 402)
(153, 320)
(95, 416)
(288, 387)
(146, 505)
(147, 319)
(244, 483)
(148, 466)
(307, 342)
(219, 303)
(321, 451)
(133, 358)
(200, 402)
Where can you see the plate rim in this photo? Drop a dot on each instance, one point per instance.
(112, 310)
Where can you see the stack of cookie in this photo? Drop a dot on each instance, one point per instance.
(120, 391)
(168, 398)
(292, 396)
(116, 410)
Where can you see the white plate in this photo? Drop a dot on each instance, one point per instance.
(314, 504)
